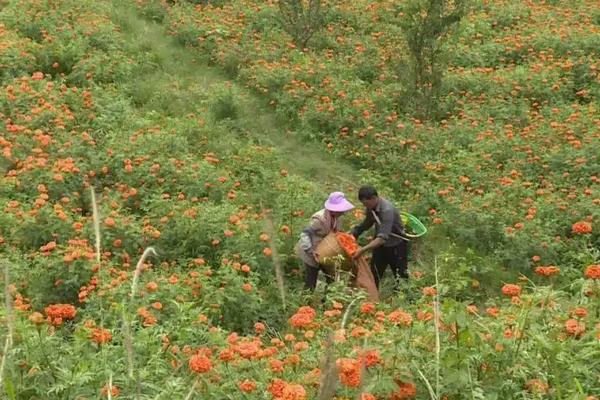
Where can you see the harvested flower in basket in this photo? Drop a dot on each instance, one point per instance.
(347, 242)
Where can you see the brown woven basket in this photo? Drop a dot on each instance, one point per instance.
(331, 254)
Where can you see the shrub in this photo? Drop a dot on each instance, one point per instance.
(301, 19)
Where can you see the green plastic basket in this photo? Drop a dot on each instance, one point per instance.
(416, 226)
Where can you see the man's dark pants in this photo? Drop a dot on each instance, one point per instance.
(396, 257)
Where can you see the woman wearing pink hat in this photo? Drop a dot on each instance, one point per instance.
(320, 225)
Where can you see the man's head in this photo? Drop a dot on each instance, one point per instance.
(367, 195)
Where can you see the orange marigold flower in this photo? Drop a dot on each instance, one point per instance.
(574, 328)
(580, 312)
(114, 391)
(293, 391)
(592, 271)
(58, 312)
(200, 363)
(307, 310)
(492, 311)
(367, 396)
(152, 286)
(347, 242)
(367, 308)
(247, 386)
(303, 317)
(406, 390)
(372, 358)
(226, 355)
(400, 317)
(511, 289)
(259, 328)
(429, 291)
(424, 315)
(349, 371)
(276, 387)
(276, 365)
(581, 227)
(537, 386)
(547, 271)
(101, 336)
(248, 349)
(247, 287)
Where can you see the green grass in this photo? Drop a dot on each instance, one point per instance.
(174, 82)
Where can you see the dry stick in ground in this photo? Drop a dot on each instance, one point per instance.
(98, 241)
(96, 220)
(329, 378)
(126, 324)
(9, 321)
(436, 311)
(363, 371)
(436, 316)
(110, 386)
(275, 255)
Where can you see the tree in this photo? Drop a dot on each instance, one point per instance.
(301, 19)
(425, 24)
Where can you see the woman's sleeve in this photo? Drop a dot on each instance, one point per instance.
(318, 227)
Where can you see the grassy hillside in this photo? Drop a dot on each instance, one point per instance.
(207, 139)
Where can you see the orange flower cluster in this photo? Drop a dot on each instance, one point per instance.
(592, 271)
(581, 228)
(372, 358)
(511, 290)
(303, 318)
(247, 386)
(429, 291)
(114, 390)
(400, 317)
(282, 390)
(537, 386)
(367, 308)
(347, 242)
(101, 336)
(57, 313)
(406, 390)
(149, 319)
(349, 371)
(200, 363)
(574, 328)
(547, 271)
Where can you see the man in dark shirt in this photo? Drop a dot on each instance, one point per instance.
(389, 245)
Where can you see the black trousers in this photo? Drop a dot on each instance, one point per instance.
(312, 273)
(396, 257)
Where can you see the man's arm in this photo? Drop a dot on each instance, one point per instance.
(364, 225)
(373, 244)
(386, 221)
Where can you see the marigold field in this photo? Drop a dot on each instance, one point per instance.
(158, 160)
